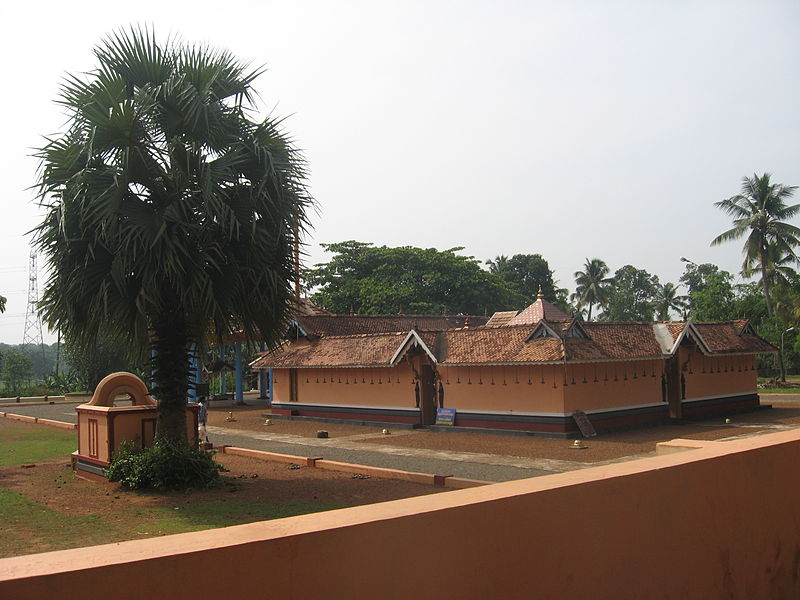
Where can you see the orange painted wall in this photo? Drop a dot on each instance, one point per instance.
(725, 379)
(340, 387)
(616, 386)
(471, 388)
(518, 397)
(102, 435)
(280, 385)
(127, 423)
(626, 530)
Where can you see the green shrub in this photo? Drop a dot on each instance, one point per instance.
(163, 466)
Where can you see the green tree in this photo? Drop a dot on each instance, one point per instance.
(667, 299)
(3, 304)
(90, 362)
(759, 213)
(171, 215)
(630, 297)
(368, 279)
(526, 274)
(592, 285)
(712, 296)
(17, 371)
(694, 276)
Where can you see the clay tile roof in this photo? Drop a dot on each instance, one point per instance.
(723, 338)
(501, 318)
(510, 345)
(324, 325)
(541, 309)
(334, 351)
(497, 345)
(614, 341)
(306, 307)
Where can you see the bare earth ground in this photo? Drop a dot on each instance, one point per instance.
(250, 418)
(609, 446)
(101, 512)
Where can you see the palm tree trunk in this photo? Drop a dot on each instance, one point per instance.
(589, 315)
(171, 377)
(768, 301)
(765, 284)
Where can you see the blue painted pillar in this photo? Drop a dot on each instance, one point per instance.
(271, 387)
(239, 391)
(223, 376)
(194, 373)
(153, 355)
(262, 377)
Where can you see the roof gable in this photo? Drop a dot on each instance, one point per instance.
(412, 340)
(543, 330)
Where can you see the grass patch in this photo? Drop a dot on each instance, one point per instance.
(27, 446)
(25, 522)
(209, 515)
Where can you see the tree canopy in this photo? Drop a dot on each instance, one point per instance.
(171, 215)
(526, 274)
(631, 296)
(367, 279)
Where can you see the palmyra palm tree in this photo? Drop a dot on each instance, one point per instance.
(171, 215)
(592, 285)
(666, 299)
(759, 213)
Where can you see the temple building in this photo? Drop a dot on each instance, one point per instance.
(527, 371)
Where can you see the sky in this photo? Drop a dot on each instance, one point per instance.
(569, 129)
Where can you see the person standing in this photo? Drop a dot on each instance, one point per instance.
(202, 417)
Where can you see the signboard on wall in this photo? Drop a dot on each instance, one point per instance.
(445, 416)
(583, 423)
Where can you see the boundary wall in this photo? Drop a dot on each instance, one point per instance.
(712, 522)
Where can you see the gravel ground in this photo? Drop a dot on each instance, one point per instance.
(397, 460)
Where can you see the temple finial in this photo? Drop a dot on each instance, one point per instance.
(540, 295)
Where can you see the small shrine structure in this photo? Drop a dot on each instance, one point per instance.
(103, 425)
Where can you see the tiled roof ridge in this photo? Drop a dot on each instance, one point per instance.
(629, 322)
(729, 322)
(397, 333)
(403, 316)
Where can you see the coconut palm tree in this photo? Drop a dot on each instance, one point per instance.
(759, 213)
(498, 266)
(592, 285)
(667, 298)
(171, 213)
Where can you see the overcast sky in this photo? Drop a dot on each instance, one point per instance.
(569, 129)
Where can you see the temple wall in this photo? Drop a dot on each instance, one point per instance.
(356, 387)
(708, 377)
(612, 385)
(471, 388)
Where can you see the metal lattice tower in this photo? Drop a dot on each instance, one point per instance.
(33, 324)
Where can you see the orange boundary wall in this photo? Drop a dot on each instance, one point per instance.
(38, 420)
(332, 465)
(719, 521)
